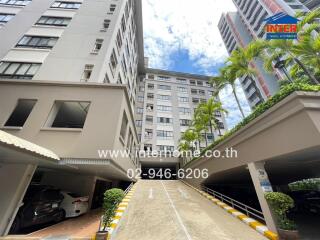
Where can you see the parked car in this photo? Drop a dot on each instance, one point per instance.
(73, 204)
(307, 201)
(41, 204)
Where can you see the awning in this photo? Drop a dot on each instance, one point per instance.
(11, 140)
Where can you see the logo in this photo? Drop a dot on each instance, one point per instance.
(281, 26)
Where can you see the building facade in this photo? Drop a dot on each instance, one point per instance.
(68, 76)
(239, 28)
(166, 102)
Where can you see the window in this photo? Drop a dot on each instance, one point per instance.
(87, 72)
(113, 60)
(164, 87)
(163, 108)
(119, 40)
(150, 76)
(163, 78)
(181, 80)
(164, 134)
(112, 8)
(164, 97)
(18, 70)
(5, 17)
(123, 24)
(220, 125)
(140, 98)
(199, 83)
(147, 147)
(217, 114)
(162, 148)
(164, 120)
(139, 110)
(185, 122)
(68, 114)
(124, 124)
(138, 123)
(21, 113)
(183, 99)
(66, 5)
(53, 21)
(182, 89)
(150, 96)
(149, 107)
(194, 91)
(37, 42)
(119, 80)
(210, 137)
(15, 2)
(149, 119)
(150, 86)
(202, 92)
(148, 133)
(97, 45)
(195, 100)
(106, 24)
(192, 82)
(184, 110)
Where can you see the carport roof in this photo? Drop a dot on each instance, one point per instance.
(11, 140)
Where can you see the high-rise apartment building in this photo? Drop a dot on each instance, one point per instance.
(165, 104)
(239, 28)
(68, 83)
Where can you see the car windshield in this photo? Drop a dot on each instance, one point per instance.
(74, 195)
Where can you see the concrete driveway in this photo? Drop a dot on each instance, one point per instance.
(169, 210)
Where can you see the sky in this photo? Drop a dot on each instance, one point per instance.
(182, 35)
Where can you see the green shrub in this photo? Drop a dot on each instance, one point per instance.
(263, 107)
(111, 200)
(306, 184)
(280, 204)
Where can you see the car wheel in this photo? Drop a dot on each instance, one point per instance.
(16, 225)
(61, 216)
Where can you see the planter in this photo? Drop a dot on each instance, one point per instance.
(288, 234)
(101, 235)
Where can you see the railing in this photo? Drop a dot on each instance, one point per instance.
(128, 188)
(250, 212)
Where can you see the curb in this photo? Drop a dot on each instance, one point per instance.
(119, 212)
(259, 227)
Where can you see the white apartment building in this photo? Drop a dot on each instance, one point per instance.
(68, 85)
(166, 102)
(240, 28)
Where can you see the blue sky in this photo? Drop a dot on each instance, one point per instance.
(183, 36)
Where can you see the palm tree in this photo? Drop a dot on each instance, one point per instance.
(187, 140)
(208, 111)
(227, 76)
(200, 123)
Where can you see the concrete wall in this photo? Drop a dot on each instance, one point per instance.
(102, 125)
(289, 130)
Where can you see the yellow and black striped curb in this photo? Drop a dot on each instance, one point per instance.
(119, 212)
(259, 227)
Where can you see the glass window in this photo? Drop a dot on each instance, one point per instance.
(37, 42)
(21, 113)
(124, 124)
(54, 21)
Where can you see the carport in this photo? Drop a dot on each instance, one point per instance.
(18, 162)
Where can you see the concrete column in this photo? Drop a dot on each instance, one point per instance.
(262, 185)
(14, 181)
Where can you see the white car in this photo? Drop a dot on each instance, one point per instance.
(73, 204)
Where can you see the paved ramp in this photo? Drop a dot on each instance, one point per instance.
(170, 210)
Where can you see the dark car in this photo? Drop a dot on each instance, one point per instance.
(306, 201)
(41, 204)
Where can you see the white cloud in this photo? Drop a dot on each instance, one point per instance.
(170, 25)
(188, 24)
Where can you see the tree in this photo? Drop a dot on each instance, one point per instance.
(187, 140)
(227, 76)
(208, 111)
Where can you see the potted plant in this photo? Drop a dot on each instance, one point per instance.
(280, 204)
(111, 200)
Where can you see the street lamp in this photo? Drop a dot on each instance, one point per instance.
(281, 64)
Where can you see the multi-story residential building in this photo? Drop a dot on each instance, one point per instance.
(68, 76)
(166, 101)
(238, 29)
(311, 4)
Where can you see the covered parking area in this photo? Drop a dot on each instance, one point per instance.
(237, 184)
(23, 164)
